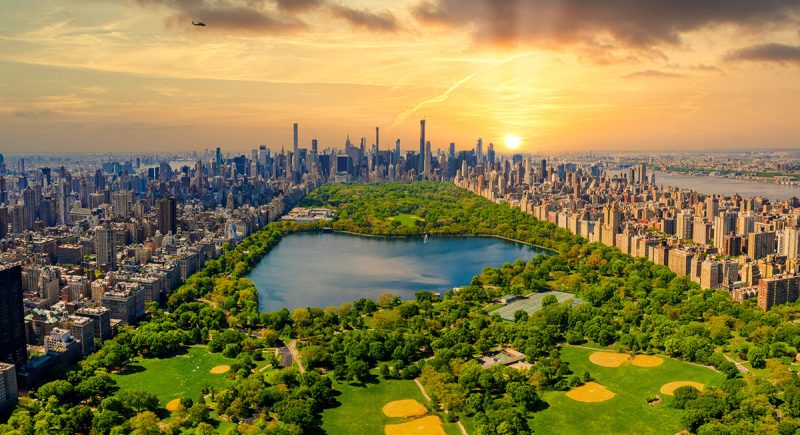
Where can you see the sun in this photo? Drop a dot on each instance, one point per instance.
(513, 142)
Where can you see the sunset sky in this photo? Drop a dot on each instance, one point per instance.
(565, 75)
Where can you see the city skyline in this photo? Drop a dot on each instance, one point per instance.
(563, 76)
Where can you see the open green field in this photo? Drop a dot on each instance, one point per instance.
(530, 304)
(408, 220)
(628, 411)
(183, 375)
(361, 412)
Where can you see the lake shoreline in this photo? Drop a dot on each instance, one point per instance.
(419, 236)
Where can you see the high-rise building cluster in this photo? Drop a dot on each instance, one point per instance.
(747, 246)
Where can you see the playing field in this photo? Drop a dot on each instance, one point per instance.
(173, 378)
(530, 304)
(361, 408)
(627, 411)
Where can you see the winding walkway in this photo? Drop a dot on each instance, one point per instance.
(428, 398)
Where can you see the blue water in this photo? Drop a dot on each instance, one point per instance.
(322, 270)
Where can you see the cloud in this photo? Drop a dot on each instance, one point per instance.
(35, 114)
(236, 16)
(641, 24)
(775, 53)
(384, 21)
(258, 17)
(298, 5)
(652, 73)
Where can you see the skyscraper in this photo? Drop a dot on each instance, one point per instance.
(167, 219)
(452, 149)
(543, 170)
(13, 346)
(421, 145)
(295, 154)
(105, 247)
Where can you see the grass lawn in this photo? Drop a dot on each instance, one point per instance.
(408, 220)
(628, 411)
(360, 409)
(180, 376)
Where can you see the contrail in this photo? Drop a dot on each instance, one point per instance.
(401, 118)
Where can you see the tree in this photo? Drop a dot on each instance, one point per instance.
(145, 423)
(59, 389)
(757, 357)
(684, 395)
(549, 300)
(138, 400)
(359, 371)
(387, 300)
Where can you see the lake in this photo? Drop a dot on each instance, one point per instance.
(325, 269)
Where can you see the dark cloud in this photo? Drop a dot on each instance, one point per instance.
(236, 16)
(653, 73)
(384, 21)
(634, 24)
(298, 5)
(776, 53)
(266, 16)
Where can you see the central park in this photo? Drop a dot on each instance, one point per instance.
(602, 342)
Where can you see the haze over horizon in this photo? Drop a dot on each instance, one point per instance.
(567, 75)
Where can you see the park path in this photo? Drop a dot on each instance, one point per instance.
(292, 346)
(428, 398)
(739, 365)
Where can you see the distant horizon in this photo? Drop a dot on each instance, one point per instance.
(556, 76)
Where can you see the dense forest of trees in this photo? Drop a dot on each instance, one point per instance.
(443, 208)
(631, 304)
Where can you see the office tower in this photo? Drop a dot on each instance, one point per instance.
(452, 149)
(8, 387)
(684, 225)
(421, 145)
(700, 230)
(543, 170)
(791, 244)
(760, 244)
(167, 216)
(724, 224)
(314, 148)
(377, 140)
(218, 160)
(121, 202)
(295, 153)
(745, 224)
(641, 174)
(105, 247)
(4, 221)
(712, 208)
(397, 150)
(479, 151)
(778, 290)
(82, 328)
(101, 319)
(428, 162)
(13, 345)
(710, 274)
